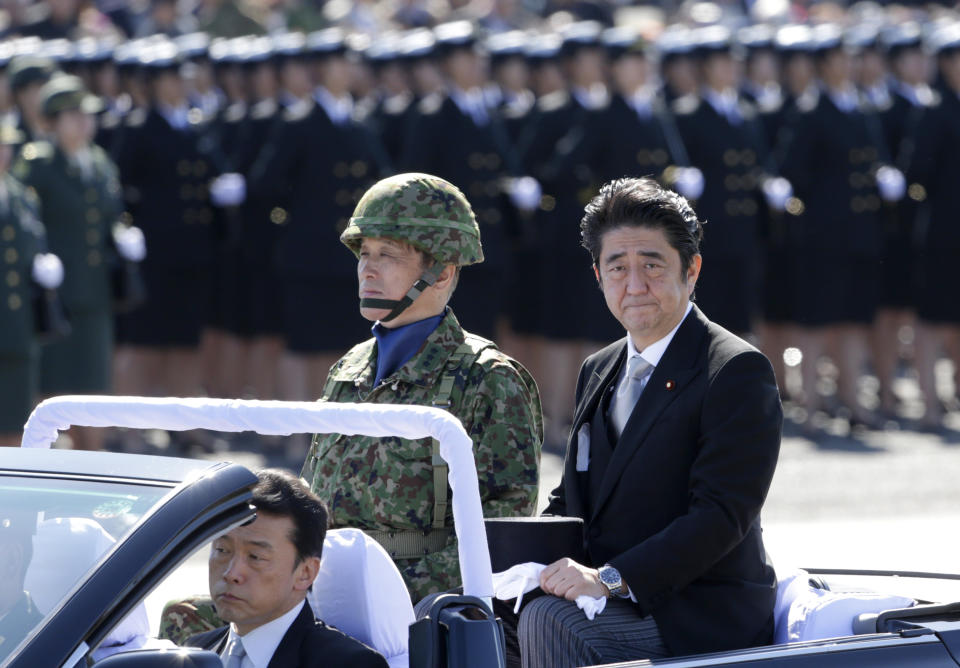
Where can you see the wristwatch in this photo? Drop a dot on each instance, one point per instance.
(610, 577)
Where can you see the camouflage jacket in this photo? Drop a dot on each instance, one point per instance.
(387, 483)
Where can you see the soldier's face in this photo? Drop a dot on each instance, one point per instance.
(629, 73)
(386, 270)
(642, 281)
(254, 574)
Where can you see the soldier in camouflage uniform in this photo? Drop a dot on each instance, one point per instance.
(395, 489)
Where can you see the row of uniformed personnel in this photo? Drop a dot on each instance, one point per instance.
(799, 176)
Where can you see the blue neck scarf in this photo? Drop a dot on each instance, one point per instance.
(395, 347)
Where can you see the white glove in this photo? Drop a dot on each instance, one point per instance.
(688, 181)
(525, 193)
(130, 243)
(891, 183)
(777, 191)
(47, 270)
(518, 580)
(228, 190)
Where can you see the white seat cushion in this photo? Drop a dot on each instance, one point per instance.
(806, 613)
(360, 591)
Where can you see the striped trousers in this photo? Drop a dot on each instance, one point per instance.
(554, 633)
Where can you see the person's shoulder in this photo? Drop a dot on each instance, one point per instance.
(206, 639)
(333, 647)
(725, 347)
(604, 354)
(38, 152)
(354, 361)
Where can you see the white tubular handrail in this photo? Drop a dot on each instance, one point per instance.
(292, 417)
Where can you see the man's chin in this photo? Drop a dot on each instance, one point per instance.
(373, 314)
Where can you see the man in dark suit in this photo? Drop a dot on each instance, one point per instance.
(669, 482)
(259, 577)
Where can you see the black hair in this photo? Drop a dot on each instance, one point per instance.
(642, 202)
(282, 494)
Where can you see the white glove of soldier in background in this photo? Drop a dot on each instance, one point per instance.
(47, 270)
(891, 183)
(777, 191)
(688, 181)
(525, 193)
(228, 190)
(130, 242)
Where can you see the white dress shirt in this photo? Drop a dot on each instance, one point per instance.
(653, 353)
(260, 643)
(339, 109)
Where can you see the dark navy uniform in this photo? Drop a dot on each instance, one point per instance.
(166, 171)
(901, 122)
(21, 238)
(553, 132)
(318, 170)
(468, 146)
(934, 175)
(732, 154)
(831, 161)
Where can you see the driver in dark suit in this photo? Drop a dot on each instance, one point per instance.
(674, 443)
(259, 577)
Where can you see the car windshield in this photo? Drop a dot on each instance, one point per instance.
(53, 531)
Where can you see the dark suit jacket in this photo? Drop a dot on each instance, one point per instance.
(307, 643)
(677, 510)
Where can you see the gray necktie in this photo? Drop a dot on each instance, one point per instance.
(233, 658)
(628, 392)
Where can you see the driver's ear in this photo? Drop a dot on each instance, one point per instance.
(306, 573)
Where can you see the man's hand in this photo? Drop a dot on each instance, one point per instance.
(568, 579)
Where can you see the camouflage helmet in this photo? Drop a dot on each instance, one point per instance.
(423, 210)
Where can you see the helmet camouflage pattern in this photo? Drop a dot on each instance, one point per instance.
(423, 210)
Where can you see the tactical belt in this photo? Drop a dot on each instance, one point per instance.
(411, 543)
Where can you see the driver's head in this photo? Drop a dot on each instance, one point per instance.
(262, 570)
(411, 234)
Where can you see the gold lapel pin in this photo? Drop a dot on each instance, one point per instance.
(671, 384)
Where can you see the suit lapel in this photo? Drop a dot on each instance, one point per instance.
(600, 379)
(288, 651)
(677, 367)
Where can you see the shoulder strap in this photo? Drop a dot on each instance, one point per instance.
(463, 357)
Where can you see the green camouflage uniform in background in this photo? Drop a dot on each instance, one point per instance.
(387, 483)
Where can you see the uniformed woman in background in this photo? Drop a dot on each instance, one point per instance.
(21, 242)
(79, 199)
(934, 174)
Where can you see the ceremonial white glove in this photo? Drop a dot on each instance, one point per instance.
(228, 190)
(522, 578)
(47, 270)
(525, 193)
(130, 243)
(891, 183)
(777, 191)
(688, 181)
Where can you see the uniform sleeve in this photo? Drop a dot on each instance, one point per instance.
(507, 429)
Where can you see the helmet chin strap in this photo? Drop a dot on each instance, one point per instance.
(398, 306)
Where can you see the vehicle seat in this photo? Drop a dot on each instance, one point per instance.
(804, 612)
(360, 591)
(64, 549)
